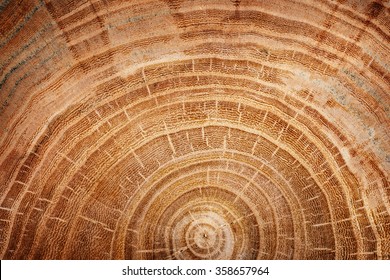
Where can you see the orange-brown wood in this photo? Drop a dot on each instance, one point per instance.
(194, 129)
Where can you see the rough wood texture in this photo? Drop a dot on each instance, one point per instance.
(194, 129)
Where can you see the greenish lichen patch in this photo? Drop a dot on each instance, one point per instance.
(4, 5)
(19, 26)
(360, 83)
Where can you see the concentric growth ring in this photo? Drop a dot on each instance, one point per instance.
(194, 129)
(203, 223)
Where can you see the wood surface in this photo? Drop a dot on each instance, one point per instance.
(194, 129)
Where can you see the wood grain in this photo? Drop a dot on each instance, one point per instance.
(194, 129)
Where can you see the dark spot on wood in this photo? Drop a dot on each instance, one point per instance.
(374, 9)
(236, 3)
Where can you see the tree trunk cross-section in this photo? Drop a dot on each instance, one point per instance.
(194, 129)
